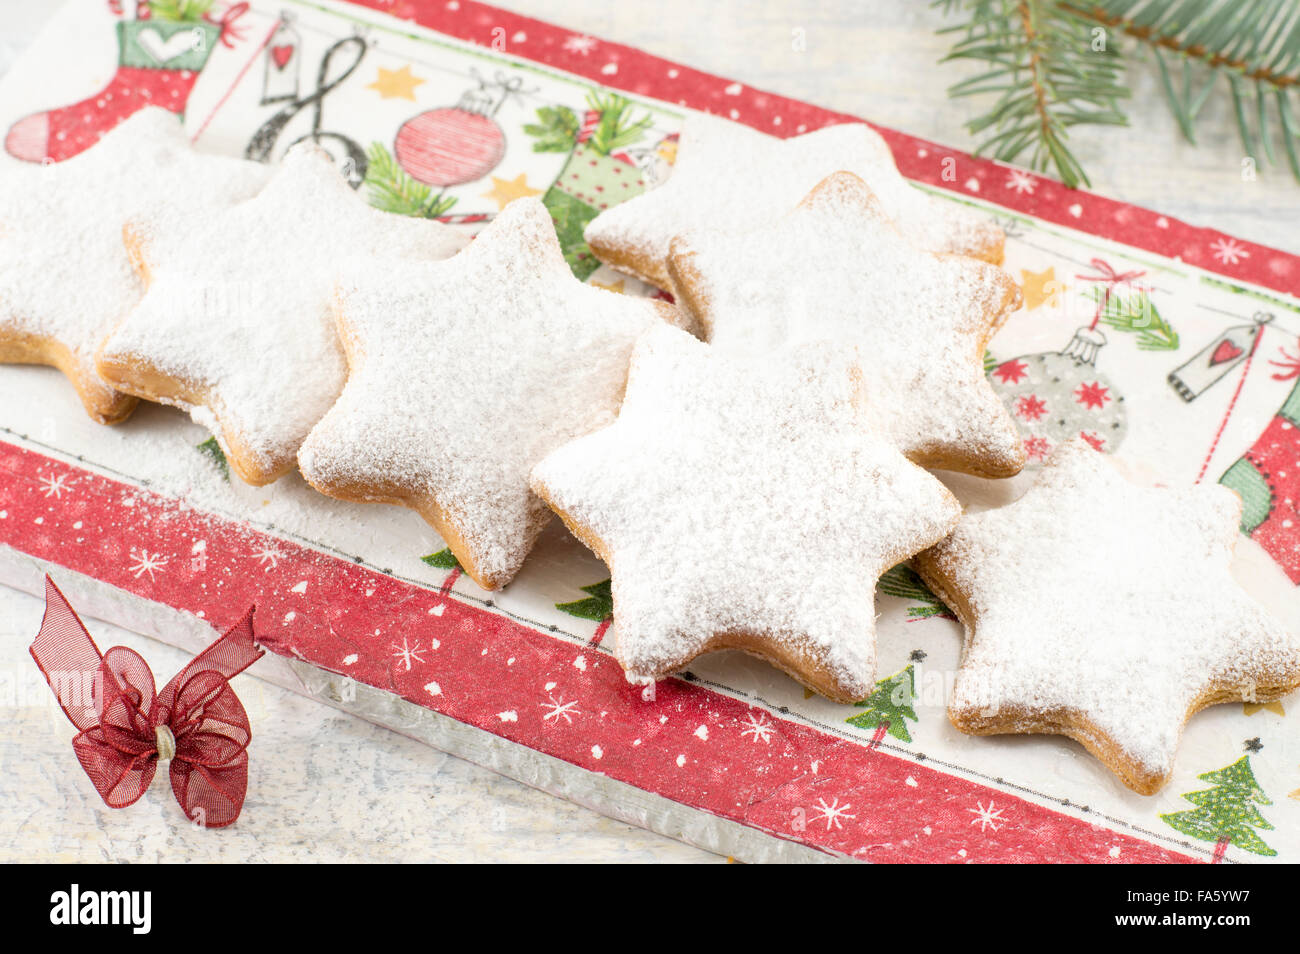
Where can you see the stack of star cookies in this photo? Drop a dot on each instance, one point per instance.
(748, 460)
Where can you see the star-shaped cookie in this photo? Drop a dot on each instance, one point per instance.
(745, 503)
(729, 176)
(236, 326)
(1106, 612)
(65, 278)
(835, 268)
(465, 373)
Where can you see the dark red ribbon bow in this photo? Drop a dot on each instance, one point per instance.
(125, 729)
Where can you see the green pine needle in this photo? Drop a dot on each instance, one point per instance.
(393, 189)
(1046, 76)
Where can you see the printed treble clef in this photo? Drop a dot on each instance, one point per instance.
(353, 160)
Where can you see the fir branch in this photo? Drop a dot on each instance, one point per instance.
(616, 127)
(392, 189)
(1137, 314)
(1254, 45)
(1042, 66)
(556, 129)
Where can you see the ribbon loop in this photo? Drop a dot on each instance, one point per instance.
(228, 32)
(1288, 362)
(196, 723)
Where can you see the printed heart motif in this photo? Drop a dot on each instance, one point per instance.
(1226, 351)
(162, 51)
(280, 55)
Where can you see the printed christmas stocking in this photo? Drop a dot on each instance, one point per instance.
(601, 170)
(1268, 479)
(159, 59)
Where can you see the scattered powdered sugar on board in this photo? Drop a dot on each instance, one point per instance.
(836, 269)
(240, 302)
(745, 495)
(64, 272)
(466, 373)
(1098, 597)
(731, 176)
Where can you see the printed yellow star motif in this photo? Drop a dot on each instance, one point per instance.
(396, 84)
(505, 191)
(616, 287)
(1041, 288)
(1275, 706)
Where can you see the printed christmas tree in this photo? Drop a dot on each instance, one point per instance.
(212, 450)
(889, 706)
(1226, 814)
(597, 607)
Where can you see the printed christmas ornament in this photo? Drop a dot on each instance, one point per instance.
(457, 144)
(1212, 363)
(160, 55)
(1056, 396)
(280, 65)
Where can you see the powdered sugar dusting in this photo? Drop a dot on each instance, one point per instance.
(466, 373)
(1097, 597)
(836, 269)
(731, 176)
(239, 304)
(745, 495)
(64, 273)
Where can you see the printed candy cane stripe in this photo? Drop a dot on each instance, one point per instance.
(685, 742)
(633, 71)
